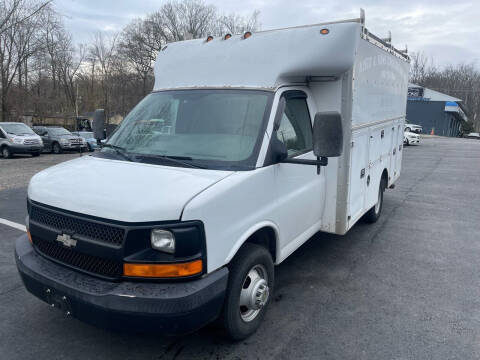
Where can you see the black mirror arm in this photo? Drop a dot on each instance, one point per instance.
(321, 161)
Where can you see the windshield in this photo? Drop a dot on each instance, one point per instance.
(59, 131)
(17, 129)
(209, 128)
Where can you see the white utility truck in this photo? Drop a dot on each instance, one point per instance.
(247, 146)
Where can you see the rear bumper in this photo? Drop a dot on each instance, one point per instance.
(25, 149)
(167, 308)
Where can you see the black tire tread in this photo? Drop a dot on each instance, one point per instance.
(248, 256)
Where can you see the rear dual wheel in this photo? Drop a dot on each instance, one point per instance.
(249, 291)
(374, 213)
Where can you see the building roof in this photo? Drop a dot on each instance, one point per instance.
(433, 95)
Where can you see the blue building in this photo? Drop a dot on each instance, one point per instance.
(437, 113)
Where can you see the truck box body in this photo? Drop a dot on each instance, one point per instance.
(219, 158)
(348, 70)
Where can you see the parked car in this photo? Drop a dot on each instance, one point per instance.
(18, 138)
(413, 127)
(88, 136)
(59, 139)
(411, 138)
(247, 164)
(473, 135)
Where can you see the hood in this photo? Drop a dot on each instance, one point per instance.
(68, 136)
(22, 137)
(121, 190)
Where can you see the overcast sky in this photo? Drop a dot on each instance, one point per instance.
(446, 30)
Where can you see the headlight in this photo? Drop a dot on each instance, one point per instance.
(162, 240)
(64, 141)
(17, 140)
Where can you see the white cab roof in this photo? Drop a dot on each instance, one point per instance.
(267, 59)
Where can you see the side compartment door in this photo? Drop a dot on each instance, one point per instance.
(358, 174)
(300, 190)
(398, 161)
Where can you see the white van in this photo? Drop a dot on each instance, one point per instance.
(247, 146)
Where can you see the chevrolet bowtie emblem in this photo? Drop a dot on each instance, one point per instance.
(66, 240)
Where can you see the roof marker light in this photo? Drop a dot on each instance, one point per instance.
(324, 31)
(227, 36)
(247, 35)
(209, 38)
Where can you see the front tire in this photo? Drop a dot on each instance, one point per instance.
(56, 148)
(249, 291)
(374, 213)
(6, 152)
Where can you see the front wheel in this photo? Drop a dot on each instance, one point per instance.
(374, 213)
(56, 148)
(6, 152)
(249, 291)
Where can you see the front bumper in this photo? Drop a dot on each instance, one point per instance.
(73, 146)
(25, 149)
(168, 308)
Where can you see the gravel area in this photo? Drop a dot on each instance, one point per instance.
(17, 171)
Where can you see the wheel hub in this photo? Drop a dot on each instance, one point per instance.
(254, 294)
(259, 294)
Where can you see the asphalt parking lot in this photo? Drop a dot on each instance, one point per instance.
(407, 287)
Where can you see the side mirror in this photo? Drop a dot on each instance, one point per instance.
(99, 124)
(327, 134)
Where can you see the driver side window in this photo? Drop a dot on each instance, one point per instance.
(1, 135)
(295, 129)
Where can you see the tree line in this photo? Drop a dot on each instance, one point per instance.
(461, 81)
(43, 72)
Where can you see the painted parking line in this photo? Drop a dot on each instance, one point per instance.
(13, 224)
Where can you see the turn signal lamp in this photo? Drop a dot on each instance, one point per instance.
(163, 270)
(324, 31)
(227, 36)
(29, 237)
(247, 35)
(209, 38)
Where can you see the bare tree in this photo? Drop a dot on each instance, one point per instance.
(18, 43)
(139, 44)
(187, 19)
(103, 52)
(237, 24)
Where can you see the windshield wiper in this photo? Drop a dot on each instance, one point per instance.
(173, 159)
(119, 150)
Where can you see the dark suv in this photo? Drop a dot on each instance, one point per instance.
(59, 139)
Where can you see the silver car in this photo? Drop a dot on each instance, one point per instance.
(18, 138)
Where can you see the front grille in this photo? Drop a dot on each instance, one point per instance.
(75, 141)
(72, 225)
(92, 264)
(31, 142)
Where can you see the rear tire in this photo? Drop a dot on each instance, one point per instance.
(250, 288)
(6, 152)
(374, 213)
